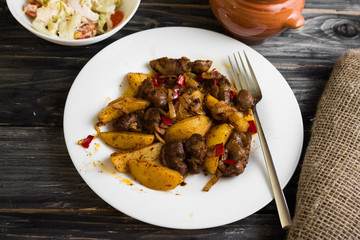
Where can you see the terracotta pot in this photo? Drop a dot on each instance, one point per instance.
(253, 21)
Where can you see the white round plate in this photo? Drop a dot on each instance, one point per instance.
(104, 78)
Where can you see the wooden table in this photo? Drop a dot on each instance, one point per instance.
(41, 193)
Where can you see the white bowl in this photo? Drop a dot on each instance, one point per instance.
(128, 7)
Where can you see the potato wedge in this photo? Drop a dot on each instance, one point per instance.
(211, 163)
(120, 106)
(127, 140)
(210, 101)
(136, 79)
(185, 128)
(149, 153)
(250, 116)
(216, 135)
(154, 176)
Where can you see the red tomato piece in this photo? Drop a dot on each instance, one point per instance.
(116, 18)
(31, 8)
(87, 30)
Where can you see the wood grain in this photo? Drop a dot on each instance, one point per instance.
(46, 192)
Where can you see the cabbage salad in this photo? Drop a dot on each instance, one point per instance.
(74, 19)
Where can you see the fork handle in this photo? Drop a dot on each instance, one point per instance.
(283, 210)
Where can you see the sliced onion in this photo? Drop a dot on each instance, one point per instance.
(172, 112)
(158, 129)
(165, 114)
(97, 128)
(159, 138)
(182, 109)
(212, 181)
(190, 81)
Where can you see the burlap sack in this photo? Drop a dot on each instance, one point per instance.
(328, 196)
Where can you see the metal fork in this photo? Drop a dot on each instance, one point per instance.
(244, 80)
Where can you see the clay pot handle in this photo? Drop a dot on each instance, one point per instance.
(295, 20)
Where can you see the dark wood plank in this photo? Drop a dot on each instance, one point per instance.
(42, 194)
(334, 5)
(112, 225)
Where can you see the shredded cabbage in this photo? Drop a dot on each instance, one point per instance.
(68, 26)
(62, 18)
(48, 17)
(118, 3)
(43, 2)
(104, 6)
(101, 23)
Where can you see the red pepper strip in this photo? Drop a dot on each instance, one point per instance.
(229, 161)
(220, 150)
(166, 121)
(175, 94)
(252, 127)
(199, 77)
(158, 79)
(232, 95)
(181, 81)
(87, 141)
(161, 80)
(156, 84)
(214, 81)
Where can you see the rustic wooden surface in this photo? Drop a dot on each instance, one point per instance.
(41, 193)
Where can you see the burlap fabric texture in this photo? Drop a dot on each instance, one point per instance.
(328, 196)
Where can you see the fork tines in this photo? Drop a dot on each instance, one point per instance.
(242, 74)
